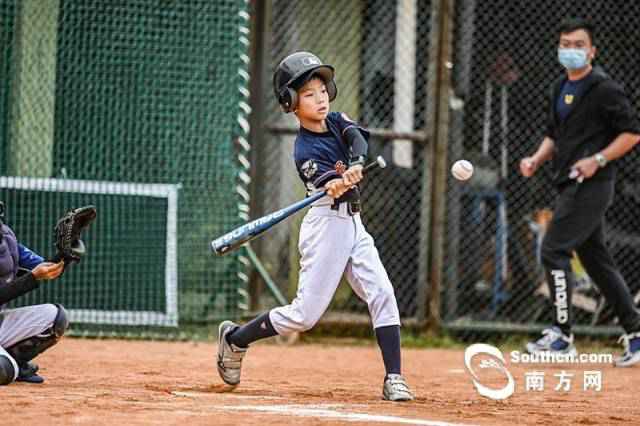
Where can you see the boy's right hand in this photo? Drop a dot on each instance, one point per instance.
(336, 188)
(48, 270)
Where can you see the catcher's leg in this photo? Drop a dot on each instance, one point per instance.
(35, 329)
(8, 368)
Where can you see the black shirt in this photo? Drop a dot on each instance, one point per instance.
(600, 112)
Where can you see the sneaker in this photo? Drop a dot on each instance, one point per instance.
(553, 340)
(229, 355)
(28, 373)
(631, 355)
(396, 388)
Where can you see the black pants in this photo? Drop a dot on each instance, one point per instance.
(578, 224)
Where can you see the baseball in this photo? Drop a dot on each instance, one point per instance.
(462, 170)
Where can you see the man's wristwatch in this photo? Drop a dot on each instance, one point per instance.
(601, 159)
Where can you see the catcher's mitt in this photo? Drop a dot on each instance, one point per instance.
(68, 230)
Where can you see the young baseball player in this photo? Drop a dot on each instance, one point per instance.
(329, 152)
(25, 332)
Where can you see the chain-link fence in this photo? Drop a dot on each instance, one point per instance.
(141, 108)
(371, 44)
(492, 69)
(138, 107)
(504, 63)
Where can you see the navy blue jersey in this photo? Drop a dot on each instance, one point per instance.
(320, 157)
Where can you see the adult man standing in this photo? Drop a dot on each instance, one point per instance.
(591, 123)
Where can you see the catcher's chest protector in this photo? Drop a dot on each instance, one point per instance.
(8, 254)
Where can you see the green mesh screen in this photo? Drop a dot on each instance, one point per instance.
(7, 12)
(139, 108)
(127, 274)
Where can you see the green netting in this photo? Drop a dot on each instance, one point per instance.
(125, 274)
(7, 12)
(132, 106)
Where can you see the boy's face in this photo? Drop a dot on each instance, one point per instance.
(313, 100)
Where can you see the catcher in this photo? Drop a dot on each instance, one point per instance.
(28, 331)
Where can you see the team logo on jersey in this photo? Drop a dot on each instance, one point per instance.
(309, 169)
(340, 167)
(568, 99)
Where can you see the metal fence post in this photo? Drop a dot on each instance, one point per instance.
(260, 30)
(435, 165)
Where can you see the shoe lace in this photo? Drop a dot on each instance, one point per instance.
(548, 336)
(399, 384)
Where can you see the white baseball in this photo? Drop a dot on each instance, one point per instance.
(462, 170)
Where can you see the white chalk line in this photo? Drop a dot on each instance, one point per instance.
(195, 394)
(327, 411)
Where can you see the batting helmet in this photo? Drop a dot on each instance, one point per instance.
(295, 70)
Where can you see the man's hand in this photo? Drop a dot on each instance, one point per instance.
(353, 175)
(336, 187)
(48, 270)
(587, 167)
(528, 166)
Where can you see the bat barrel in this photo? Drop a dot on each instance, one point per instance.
(251, 230)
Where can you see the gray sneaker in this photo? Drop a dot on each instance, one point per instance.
(553, 341)
(229, 355)
(631, 355)
(396, 388)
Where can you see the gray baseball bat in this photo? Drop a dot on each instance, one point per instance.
(247, 232)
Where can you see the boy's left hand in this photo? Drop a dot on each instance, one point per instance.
(352, 175)
(336, 188)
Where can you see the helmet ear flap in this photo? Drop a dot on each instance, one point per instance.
(288, 99)
(332, 90)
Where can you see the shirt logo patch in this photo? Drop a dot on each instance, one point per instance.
(340, 167)
(568, 99)
(309, 169)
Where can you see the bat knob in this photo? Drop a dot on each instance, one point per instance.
(381, 162)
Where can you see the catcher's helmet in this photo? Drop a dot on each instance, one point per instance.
(295, 70)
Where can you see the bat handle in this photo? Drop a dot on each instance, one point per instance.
(379, 162)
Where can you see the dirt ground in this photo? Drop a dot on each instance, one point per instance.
(100, 382)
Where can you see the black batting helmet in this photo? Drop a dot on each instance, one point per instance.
(295, 70)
